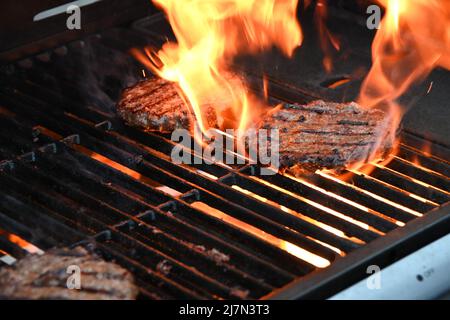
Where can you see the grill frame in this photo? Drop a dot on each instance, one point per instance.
(381, 252)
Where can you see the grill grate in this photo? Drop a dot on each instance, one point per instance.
(71, 173)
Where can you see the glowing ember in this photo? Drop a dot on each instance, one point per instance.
(210, 33)
(19, 242)
(373, 195)
(289, 247)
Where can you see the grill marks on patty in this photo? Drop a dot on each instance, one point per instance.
(328, 135)
(45, 277)
(314, 136)
(155, 105)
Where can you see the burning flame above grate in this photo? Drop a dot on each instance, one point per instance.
(209, 35)
(413, 39)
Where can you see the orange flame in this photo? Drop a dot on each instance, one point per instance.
(328, 41)
(210, 33)
(413, 39)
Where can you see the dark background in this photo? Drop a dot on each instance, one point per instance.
(20, 35)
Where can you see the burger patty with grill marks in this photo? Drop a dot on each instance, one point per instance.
(155, 105)
(46, 277)
(328, 135)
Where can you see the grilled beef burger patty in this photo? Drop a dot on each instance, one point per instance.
(155, 105)
(45, 277)
(328, 135)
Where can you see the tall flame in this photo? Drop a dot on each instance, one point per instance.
(210, 33)
(328, 41)
(413, 39)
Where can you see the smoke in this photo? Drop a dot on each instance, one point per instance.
(98, 72)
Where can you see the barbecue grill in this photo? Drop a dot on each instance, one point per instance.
(72, 173)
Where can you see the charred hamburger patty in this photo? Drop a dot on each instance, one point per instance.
(328, 135)
(45, 277)
(155, 105)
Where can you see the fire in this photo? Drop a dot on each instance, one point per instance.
(413, 39)
(328, 42)
(210, 33)
(426, 149)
